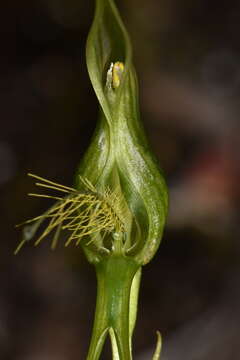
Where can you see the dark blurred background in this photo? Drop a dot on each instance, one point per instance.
(187, 55)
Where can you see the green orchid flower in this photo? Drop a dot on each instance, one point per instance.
(117, 208)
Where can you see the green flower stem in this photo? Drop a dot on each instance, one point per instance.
(115, 276)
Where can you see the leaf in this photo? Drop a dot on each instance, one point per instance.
(157, 353)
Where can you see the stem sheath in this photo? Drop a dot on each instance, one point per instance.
(114, 276)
